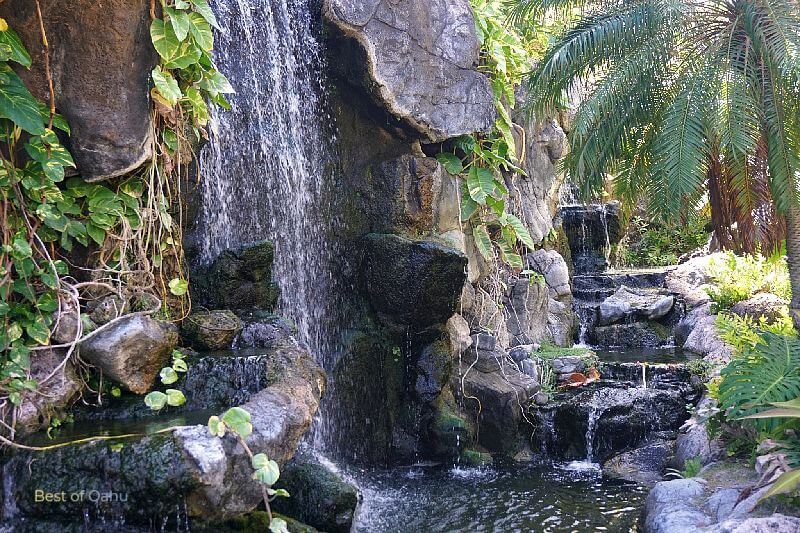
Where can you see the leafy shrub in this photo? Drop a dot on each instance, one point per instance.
(691, 467)
(759, 376)
(651, 245)
(744, 333)
(738, 278)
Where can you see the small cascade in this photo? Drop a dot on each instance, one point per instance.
(595, 412)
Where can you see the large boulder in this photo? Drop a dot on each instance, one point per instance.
(560, 313)
(413, 282)
(704, 340)
(645, 464)
(238, 279)
(690, 280)
(131, 351)
(763, 304)
(637, 303)
(419, 60)
(320, 497)
(527, 302)
(101, 57)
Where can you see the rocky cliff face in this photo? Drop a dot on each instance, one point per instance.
(101, 57)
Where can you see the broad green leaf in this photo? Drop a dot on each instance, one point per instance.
(38, 331)
(180, 22)
(238, 420)
(787, 482)
(164, 39)
(97, 233)
(522, 232)
(465, 143)
(451, 162)
(179, 365)
(188, 54)
(507, 254)
(17, 103)
(259, 460)
(267, 474)
(155, 400)
(19, 54)
(198, 106)
(468, 206)
(482, 241)
(21, 248)
(480, 182)
(282, 493)
(216, 84)
(168, 376)
(278, 525)
(167, 86)
(178, 286)
(201, 6)
(201, 31)
(216, 426)
(175, 398)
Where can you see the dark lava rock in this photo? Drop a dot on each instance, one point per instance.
(590, 230)
(623, 417)
(413, 282)
(132, 351)
(319, 496)
(238, 279)
(649, 334)
(211, 330)
(644, 464)
(101, 57)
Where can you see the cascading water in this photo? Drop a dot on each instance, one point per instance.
(267, 172)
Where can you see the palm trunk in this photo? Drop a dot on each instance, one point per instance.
(793, 258)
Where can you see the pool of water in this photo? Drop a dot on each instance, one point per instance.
(538, 497)
(648, 355)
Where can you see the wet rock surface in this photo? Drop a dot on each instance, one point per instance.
(420, 62)
(413, 282)
(645, 464)
(211, 330)
(132, 351)
(591, 231)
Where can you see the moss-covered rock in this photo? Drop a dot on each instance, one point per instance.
(210, 330)
(318, 496)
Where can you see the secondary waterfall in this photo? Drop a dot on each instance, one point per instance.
(267, 172)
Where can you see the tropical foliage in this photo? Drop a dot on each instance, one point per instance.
(737, 278)
(683, 99)
(649, 244)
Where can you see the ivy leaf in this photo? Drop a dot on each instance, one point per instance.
(176, 54)
(168, 376)
(155, 400)
(198, 106)
(97, 233)
(201, 31)
(238, 420)
(201, 6)
(278, 525)
(215, 84)
(17, 103)
(175, 398)
(178, 286)
(482, 241)
(180, 22)
(522, 232)
(267, 474)
(179, 365)
(19, 54)
(38, 331)
(480, 182)
(167, 86)
(259, 460)
(452, 164)
(216, 427)
(21, 248)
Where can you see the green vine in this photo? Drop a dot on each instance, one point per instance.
(481, 160)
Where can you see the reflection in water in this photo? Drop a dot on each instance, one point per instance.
(541, 497)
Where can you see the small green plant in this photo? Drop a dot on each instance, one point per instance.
(236, 421)
(744, 333)
(691, 467)
(652, 245)
(737, 278)
(700, 368)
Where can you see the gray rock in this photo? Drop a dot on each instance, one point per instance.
(320, 497)
(670, 508)
(776, 523)
(704, 340)
(534, 195)
(541, 398)
(631, 335)
(625, 302)
(568, 365)
(522, 352)
(413, 282)
(484, 341)
(52, 397)
(263, 333)
(95, 49)
(527, 305)
(458, 329)
(107, 309)
(688, 322)
(132, 351)
(552, 266)
(420, 62)
(694, 443)
(211, 330)
(591, 230)
(690, 280)
(529, 368)
(645, 464)
(763, 304)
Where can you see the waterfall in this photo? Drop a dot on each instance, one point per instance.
(267, 172)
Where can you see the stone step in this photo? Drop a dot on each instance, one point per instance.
(638, 279)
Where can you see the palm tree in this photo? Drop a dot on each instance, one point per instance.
(687, 100)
